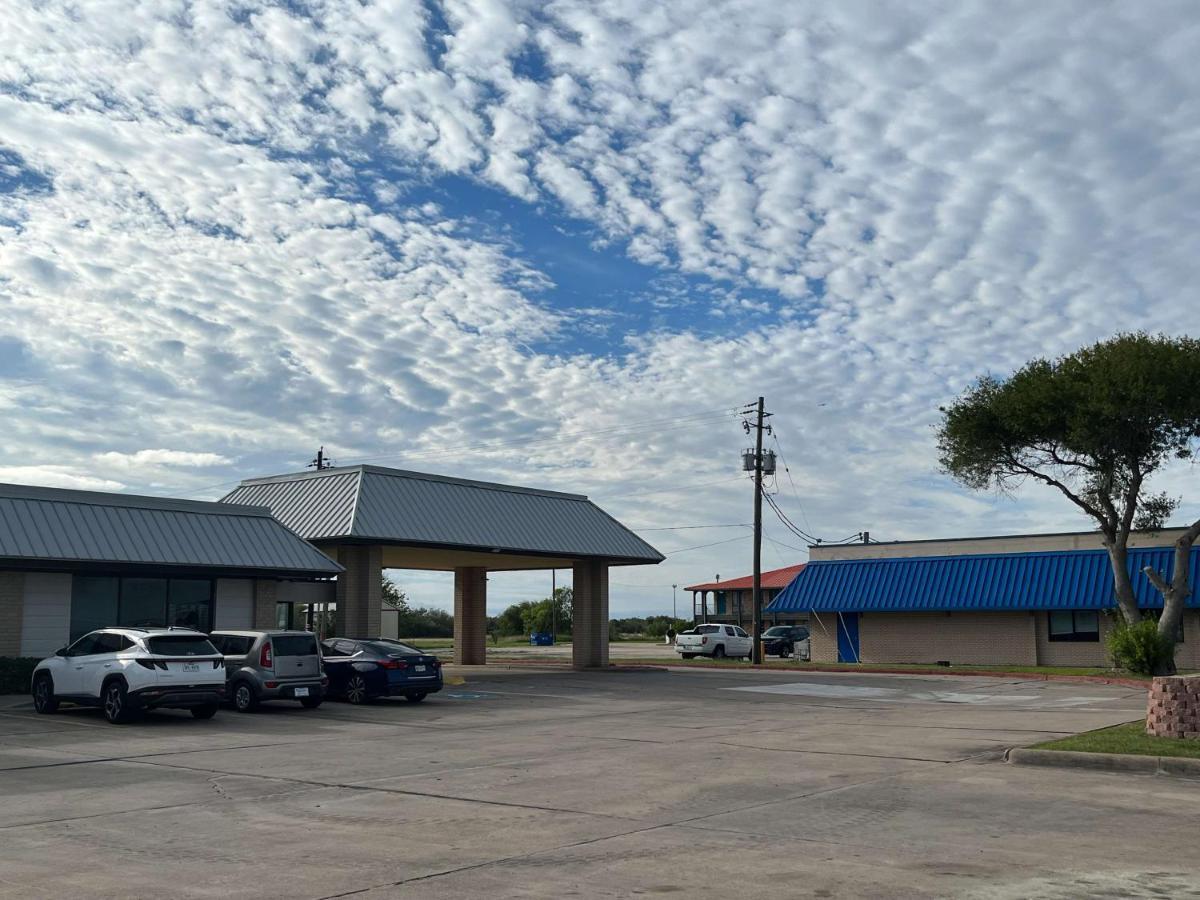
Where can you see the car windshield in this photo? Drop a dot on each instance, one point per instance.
(777, 631)
(181, 645)
(392, 648)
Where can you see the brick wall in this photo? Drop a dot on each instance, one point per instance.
(1173, 707)
(470, 616)
(1070, 653)
(12, 605)
(822, 638)
(589, 614)
(963, 638)
(359, 591)
(265, 594)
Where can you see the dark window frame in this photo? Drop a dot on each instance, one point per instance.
(120, 579)
(1075, 635)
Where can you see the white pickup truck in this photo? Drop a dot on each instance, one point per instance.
(714, 640)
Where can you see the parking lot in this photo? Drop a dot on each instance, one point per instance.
(539, 783)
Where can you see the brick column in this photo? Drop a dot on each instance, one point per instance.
(470, 616)
(360, 592)
(266, 594)
(1173, 707)
(12, 609)
(589, 615)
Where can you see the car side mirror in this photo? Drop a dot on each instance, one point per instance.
(61, 651)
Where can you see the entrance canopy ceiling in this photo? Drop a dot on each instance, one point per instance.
(434, 522)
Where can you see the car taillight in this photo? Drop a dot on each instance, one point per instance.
(703, 640)
(217, 663)
(153, 664)
(392, 664)
(264, 656)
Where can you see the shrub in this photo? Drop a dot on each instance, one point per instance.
(15, 673)
(1139, 648)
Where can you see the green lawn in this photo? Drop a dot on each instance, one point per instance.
(1128, 738)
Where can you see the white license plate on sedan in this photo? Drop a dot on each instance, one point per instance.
(418, 668)
(301, 692)
(191, 667)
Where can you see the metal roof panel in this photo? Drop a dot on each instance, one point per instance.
(64, 527)
(1066, 579)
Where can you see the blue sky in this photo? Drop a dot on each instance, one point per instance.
(557, 244)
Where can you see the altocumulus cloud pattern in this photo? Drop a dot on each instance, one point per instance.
(231, 230)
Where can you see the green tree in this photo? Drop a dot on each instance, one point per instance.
(1094, 425)
(393, 596)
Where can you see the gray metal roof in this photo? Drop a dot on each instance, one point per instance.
(68, 528)
(390, 506)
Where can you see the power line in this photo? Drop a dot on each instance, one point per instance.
(788, 471)
(740, 537)
(689, 527)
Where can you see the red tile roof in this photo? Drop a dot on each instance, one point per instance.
(776, 578)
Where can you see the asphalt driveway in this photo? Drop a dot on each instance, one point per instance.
(526, 783)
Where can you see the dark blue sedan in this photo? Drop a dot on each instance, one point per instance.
(361, 670)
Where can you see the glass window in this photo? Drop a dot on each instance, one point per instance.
(189, 603)
(1074, 625)
(180, 645)
(294, 644)
(93, 604)
(283, 616)
(143, 602)
(84, 646)
(107, 643)
(740, 633)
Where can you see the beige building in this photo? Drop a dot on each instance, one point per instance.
(1043, 599)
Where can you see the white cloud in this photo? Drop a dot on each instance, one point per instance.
(58, 477)
(162, 458)
(888, 202)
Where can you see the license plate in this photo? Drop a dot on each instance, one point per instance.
(418, 668)
(191, 667)
(301, 692)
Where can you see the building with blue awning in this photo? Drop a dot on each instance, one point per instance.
(1016, 600)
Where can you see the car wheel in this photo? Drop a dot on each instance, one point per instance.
(719, 651)
(44, 700)
(356, 689)
(244, 698)
(785, 652)
(415, 698)
(117, 708)
(204, 712)
(310, 702)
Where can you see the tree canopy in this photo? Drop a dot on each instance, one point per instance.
(1095, 425)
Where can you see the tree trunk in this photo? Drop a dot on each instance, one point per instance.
(1175, 593)
(1118, 557)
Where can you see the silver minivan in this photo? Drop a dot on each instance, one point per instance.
(271, 665)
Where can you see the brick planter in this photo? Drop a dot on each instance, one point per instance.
(1173, 707)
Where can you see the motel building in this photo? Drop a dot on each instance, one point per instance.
(1039, 599)
(73, 561)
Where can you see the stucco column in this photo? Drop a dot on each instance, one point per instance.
(360, 591)
(589, 615)
(470, 616)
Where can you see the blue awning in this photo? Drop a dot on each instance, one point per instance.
(1068, 579)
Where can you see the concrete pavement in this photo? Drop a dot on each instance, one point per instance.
(528, 783)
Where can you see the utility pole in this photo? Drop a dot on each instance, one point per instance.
(674, 609)
(554, 604)
(320, 462)
(759, 427)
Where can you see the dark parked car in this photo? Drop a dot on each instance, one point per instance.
(361, 670)
(781, 640)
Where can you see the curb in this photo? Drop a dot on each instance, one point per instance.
(1173, 766)
(885, 670)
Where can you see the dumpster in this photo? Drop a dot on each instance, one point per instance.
(541, 639)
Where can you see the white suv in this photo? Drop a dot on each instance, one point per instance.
(127, 670)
